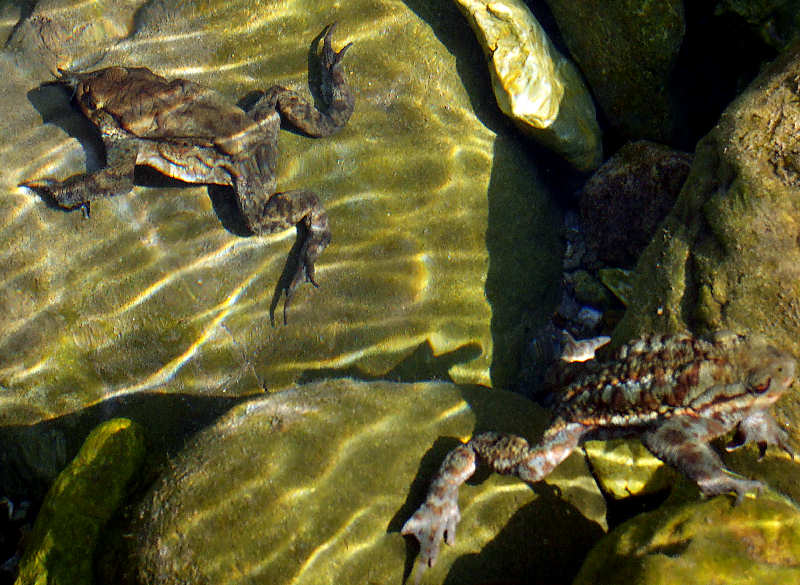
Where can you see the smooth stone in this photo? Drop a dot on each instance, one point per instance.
(159, 293)
(709, 541)
(619, 281)
(627, 51)
(60, 549)
(312, 486)
(535, 85)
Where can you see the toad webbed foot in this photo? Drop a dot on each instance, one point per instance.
(760, 428)
(301, 113)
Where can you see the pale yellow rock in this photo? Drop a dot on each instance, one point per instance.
(536, 86)
(626, 468)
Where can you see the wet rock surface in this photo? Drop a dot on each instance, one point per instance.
(627, 51)
(319, 480)
(61, 546)
(535, 85)
(727, 255)
(702, 542)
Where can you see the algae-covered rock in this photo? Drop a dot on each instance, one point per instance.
(161, 290)
(60, 549)
(312, 486)
(727, 256)
(710, 541)
(626, 50)
(535, 85)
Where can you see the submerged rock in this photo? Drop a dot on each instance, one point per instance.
(625, 200)
(161, 292)
(625, 468)
(776, 21)
(535, 85)
(317, 482)
(627, 51)
(727, 255)
(60, 549)
(711, 541)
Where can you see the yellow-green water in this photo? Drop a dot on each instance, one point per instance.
(441, 229)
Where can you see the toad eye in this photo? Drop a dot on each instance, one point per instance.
(762, 387)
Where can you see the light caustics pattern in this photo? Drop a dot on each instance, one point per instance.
(154, 293)
(327, 470)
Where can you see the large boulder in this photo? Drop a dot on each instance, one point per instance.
(728, 256)
(312, 486)
(711, 541)
(627, 51)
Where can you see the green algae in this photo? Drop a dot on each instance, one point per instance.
(60, 549)
(704, 542)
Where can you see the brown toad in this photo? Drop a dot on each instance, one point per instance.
(675, 393)
(193, 133)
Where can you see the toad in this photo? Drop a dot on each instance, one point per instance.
(675, 393)
(192, 133)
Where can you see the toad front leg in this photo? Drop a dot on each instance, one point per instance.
(437, 517)
(116, 178)
(683, 443)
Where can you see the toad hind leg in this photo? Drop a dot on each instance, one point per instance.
(683, 443)
(303, 115)
(116, 178)
(282, 211)
(437, 517)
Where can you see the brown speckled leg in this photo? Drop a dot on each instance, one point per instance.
(437, 517)
(116, 178)
(683, 443)
(302, 114)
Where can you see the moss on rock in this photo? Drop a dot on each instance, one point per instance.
(711, 541)
(60, 550)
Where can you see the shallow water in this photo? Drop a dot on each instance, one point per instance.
(428, 193)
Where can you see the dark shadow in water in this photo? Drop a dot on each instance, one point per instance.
(31, 456)
(420, 366)
(522, 241)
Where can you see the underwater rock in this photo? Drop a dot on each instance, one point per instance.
(60, 549)
(317, 482)
(163, 292)
(711, 541)
(66, 35)
(625, 200)
(776, 21)
(625, 468)
(627, 51)
(535, 85)
(727, 255)
(619, 281)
